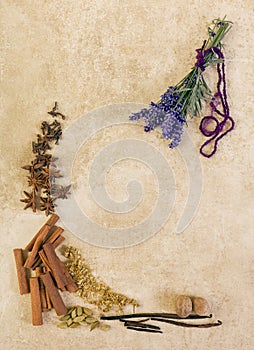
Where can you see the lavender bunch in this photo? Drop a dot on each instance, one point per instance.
(185, 98)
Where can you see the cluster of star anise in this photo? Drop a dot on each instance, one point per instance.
(43, 171)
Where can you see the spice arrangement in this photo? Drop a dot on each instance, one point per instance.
(43, 171)
(186, 308)
(41, 273)
(186, 98)
(91, 289)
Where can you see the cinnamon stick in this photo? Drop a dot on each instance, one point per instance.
(71, 285)
(37, 244)
(55, 244)
(55, 234)
(58, 241)
(50, 223)
(44, 260)
(21, 271)
(55, 265)
(36, 302)
(44, 305)
(49, 304)
(54, 294)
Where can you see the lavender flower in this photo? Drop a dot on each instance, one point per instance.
(167, 114)
(172, 129)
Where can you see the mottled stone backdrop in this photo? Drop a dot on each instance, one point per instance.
(89, 54)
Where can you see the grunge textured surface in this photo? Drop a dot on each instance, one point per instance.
(88, 54)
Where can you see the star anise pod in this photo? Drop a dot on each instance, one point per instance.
(30, 200)
(33, 167)
(47, 205)
(59, 191)
(36, 181)
(52, 174)
(45, 160)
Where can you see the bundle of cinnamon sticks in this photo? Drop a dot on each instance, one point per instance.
(41, 273)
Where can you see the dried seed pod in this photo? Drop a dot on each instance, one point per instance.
(94, 325)
(74, 313)
(87, 311)
(79, 311)
(90, 320)
(201, 306)
(70, 310)
(183, 306)
(62, 325)
(105, 327)
(78, 319)
(74, 325)
(69, 322)
(65, 317)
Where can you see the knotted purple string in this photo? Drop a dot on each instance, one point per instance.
(220, 97)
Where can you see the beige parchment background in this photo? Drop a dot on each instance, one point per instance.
(86, 54)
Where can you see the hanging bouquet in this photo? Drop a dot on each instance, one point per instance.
(186, 98)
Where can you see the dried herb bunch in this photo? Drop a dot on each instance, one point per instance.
(91, 289)
(43, 171)
(186, 99)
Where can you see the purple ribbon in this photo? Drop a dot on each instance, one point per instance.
(220, 98)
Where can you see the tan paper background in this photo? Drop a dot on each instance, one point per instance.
(86, 54)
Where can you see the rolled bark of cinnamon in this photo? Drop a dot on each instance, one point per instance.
(21, 271)
(49, 304)
(55, 244)
(54, 294)
(44, 259)
(49, 224)
(58, 241)
(37, 244)
(71, 285)
(55, 265)
(44, 305)
(36, 302)
(56, 233)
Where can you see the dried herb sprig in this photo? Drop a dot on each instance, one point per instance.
(186, 98)
(193, 88)
(42, 170)
(91, 289)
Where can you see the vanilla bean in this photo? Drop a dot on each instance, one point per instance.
(188, 325)
(144, 330)
(140, 324)
(140, 321)
(161, 315)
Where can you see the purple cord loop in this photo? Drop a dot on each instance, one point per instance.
(220, 98)
(201, 58)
